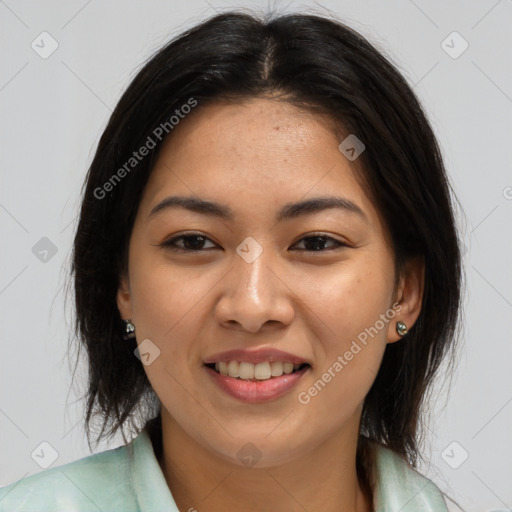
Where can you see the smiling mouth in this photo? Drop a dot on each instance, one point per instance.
(256, 372)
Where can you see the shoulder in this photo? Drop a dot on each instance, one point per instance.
(400, 487)
(83, 485)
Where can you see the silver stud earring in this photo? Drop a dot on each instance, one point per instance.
(401, 328)
(129, 330)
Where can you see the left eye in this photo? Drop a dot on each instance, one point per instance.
(191, 243)
(318, 241)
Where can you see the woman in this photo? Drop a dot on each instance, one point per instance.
(267, 278)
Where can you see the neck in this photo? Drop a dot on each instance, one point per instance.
(325, 479)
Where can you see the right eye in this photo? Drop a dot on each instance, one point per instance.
(189, 243)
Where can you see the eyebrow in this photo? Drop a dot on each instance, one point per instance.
(288, 211)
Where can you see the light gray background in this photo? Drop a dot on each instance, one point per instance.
(53, 111)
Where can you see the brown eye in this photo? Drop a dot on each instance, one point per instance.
(187, 243)
(317, 243)
(196, 243)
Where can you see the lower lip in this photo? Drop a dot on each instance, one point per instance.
(255, 392)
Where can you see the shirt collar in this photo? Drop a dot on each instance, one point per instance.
(401, 488)
(397, 486)
(149, 484)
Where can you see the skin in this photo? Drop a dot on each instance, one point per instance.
(254, 157)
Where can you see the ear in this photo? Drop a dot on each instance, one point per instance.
(409, 297)
(124, 303)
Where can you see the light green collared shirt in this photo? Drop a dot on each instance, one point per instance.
(129, 479)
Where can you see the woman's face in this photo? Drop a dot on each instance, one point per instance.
(258, 273)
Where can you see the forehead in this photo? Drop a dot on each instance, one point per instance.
(256, 152)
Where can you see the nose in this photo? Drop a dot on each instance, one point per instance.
(255, 296)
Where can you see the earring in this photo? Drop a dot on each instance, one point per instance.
(401, 328)
(129, 330)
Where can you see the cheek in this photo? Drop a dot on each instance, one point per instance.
(171, 306)
(349, 301)
(350, 320)
(166, 305)
(353, 340)
(163, 298)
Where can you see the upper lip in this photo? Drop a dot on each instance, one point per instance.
(260, 355)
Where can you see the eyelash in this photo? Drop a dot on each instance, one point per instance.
(171, 243)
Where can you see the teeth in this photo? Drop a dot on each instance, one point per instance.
(276, 368)
(261, 371)
(222, 368)
(288, 367)
(233, 368)
(246, 371)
